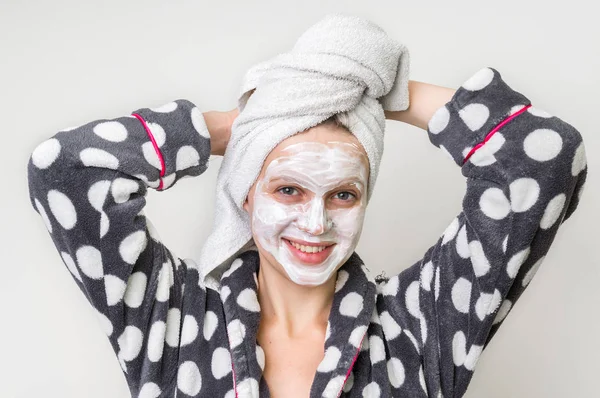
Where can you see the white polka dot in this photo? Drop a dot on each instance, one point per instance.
(111, 131)
(136, 289)
(427, 276)
(515, 109)
(225, 292)
(495, 303)
(437, 283)
(504, 243)
(461, 295)
(235, 265)
(62, 208)
(542, 144)
(168, 180)
(189, 331)
(479, 80)
(481, 265)
(248, 388)
(199, 123)
(372, 390)
(151, 156)
(247, 299)
(68, 260)
(532, 271)
(485, 155)
(377, 349)
(104, 224)
(105, 323)
(149, 390)
(482, 305)
(351, 305)
(130, 343)
(189, 380)
(553, 211)
(503, 311)
(391, 329)
(333, 387)
(396, 372)
(330, 360)
(512, 268)
(114, 288)
(131, 247)
(422, 379)
(462, 243)
(156, 341)
(459, 348)
(412, 299)
(187, 157)
(538, 112)
(579, 160)
(166, 108)
(173, 322)
(158, 133)
(97, 194)
(342, 278)
(230, 394)
(43, 214)
(94, 157)
(473, 356)
(474, 116)
(89, 260)
(165, 281)
(390, 288)
(236, 331)
(450, 231)
(446, 153)
(220, 363)
(357, 335)
(260, 357)
(494, 204)
(122, 188)
(45, 153)
(349, 382)
(439, 120)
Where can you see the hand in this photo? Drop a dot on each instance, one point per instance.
(219, 128)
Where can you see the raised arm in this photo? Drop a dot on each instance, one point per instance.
(525, 170)
(89, 186)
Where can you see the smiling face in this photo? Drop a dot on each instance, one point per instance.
(308, 204)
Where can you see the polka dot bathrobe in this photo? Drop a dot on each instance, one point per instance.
(416, 334)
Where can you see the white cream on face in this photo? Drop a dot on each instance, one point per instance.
(320, 171)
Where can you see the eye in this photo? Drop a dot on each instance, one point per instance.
(345, 196)
(289, 191)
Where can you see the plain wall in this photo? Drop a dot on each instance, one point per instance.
(63, 63)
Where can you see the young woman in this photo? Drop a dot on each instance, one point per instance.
(301, 316)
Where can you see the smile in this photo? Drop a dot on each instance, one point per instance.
(310, 253)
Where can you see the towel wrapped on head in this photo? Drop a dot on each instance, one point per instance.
(343, 65)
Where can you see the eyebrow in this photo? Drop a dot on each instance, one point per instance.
(354, 182)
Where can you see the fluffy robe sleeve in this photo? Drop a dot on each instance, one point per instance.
(89, 185)
(525, 171)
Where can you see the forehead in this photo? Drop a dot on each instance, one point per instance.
(321, 146)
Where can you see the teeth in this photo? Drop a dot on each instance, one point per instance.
(308, 249)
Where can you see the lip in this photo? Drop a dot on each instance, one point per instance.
(310, 258)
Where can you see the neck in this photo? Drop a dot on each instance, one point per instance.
(296, 309)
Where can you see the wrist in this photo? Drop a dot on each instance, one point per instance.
(219, 127)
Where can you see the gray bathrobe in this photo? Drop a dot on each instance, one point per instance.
(416, 334)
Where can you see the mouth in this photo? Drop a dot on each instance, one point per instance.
(309, 253)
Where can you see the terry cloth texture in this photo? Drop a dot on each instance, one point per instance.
(418, 334)
(342, 65)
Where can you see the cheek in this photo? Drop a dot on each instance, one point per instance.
(348, 222)
(269, 217)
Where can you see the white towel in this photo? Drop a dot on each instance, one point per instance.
(343, 65)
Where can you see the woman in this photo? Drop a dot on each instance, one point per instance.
(419, 333)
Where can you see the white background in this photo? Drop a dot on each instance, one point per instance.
(63, 63)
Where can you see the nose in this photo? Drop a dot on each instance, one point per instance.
(315, 220)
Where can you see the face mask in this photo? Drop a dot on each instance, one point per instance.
(304, 212)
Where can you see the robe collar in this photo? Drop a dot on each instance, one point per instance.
(351, 311)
